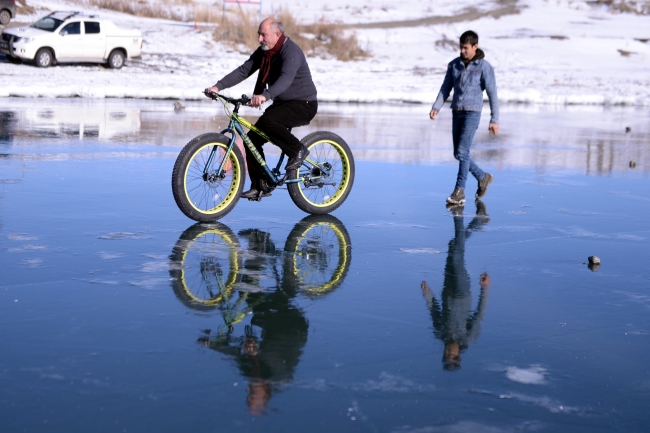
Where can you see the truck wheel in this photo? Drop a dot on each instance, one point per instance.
(44, 58)
(5, 17)
(116, 59)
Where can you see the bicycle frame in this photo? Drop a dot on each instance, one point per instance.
(235, 126)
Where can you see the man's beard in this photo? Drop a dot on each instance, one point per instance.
(264, 46)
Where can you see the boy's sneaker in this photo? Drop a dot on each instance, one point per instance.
(483, 185)
(481, 210)
(455, 209)
(457, 197)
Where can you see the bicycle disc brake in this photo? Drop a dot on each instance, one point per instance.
(319, 176)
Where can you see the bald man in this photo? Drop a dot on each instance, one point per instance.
(284, 77)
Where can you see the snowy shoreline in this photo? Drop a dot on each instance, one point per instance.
(528, 97)
(553, 52)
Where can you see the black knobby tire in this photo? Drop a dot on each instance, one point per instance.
(204, 265)
(324, 148)
(5, 17)
(116, 59)
(44, 58)
(317, 255)
(199, 193)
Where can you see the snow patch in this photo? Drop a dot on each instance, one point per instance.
(534, 375)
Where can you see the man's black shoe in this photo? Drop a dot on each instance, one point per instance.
(253, 194)
(457, 197)
(483, 185)
(296, 162)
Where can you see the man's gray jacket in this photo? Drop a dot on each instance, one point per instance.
(289, 78)
(468, 83)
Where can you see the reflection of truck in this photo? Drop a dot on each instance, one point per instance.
(71, 37)
(89, 120)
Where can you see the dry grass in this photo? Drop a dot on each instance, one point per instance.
(625, 53)
(176, 10)
(206, 14)
(238, 28)
(447, 44)
(23, 8)
(323, 39)
(639, 7)
(137, 8)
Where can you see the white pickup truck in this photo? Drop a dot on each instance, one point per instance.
(71, 37)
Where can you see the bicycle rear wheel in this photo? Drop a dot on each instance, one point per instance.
(321, 193)
(200, 193)
(317, 255)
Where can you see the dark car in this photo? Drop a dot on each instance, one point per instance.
(7, 11)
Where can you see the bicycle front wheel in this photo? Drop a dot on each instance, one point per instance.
(204, 266)
(201, 192)
(327, 173)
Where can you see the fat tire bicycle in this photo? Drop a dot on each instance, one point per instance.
(209, 173)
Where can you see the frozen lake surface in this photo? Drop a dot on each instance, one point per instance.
(392, 315)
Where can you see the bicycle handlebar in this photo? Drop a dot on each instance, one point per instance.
(244, 100)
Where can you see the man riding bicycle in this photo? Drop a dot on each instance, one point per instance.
(284, 77)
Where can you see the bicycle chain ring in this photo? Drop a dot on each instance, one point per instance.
(265, 186)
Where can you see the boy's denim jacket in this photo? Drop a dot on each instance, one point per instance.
(468, 84)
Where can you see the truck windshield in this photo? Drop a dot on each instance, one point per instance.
(48, 23)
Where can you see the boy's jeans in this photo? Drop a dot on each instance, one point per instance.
(464, 126)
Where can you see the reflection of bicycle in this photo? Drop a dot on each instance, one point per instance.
(208, 175)
(210, 269)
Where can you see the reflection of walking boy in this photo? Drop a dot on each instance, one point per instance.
(453, 321)
(468, 75)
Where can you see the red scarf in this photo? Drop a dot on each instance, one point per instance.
(265, 66)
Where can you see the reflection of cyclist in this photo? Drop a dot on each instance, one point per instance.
(283, 67)
(260, 250)
(453, 321)
(270, 350)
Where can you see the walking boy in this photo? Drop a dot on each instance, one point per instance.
(468, 75)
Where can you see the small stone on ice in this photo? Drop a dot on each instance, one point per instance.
(628, 129)
(594, 260)
(632, 164)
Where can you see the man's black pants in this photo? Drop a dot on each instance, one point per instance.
(276, 122)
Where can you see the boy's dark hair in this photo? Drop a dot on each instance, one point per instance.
(469, 37)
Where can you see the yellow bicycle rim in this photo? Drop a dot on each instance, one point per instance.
(233, 258)
(232, 164)
(345, 175)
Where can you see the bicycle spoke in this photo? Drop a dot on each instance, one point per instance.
(204, 193)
